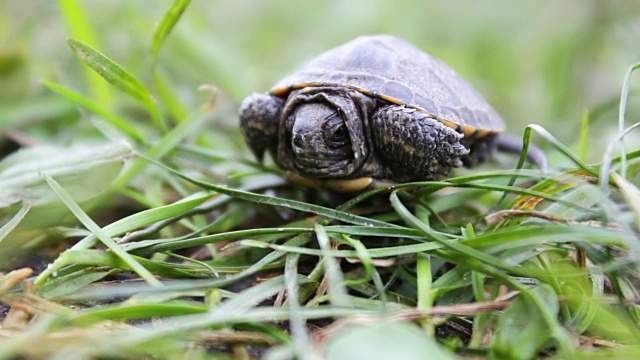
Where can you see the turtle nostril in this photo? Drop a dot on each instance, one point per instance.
(298, 141)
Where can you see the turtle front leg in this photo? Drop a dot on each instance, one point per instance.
(414, 146)
(259, 120)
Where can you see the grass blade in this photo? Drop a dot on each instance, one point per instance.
(621, 113)
(168, 97)
(337, 291)
(607, 160)
(272, 200)
(243, 303)
(117, 76)
(101, 234)
(75, 18)
(8, 281)
(521, 331)
(115, 120)
(558, 145)
(299, 333)
(630, 193)
(131, 223)
(167, 143)
(584, 135)
(7, 228)
(166, 24)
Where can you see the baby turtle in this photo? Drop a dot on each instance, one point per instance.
(373, 111)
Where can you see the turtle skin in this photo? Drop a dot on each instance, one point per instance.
(373, 111)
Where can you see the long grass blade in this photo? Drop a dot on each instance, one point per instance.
(131, 223)
(7, 228)
(276, 201)
(76, 19)
(624, 96)
(166, 24)
(167, 143)
(100, 233)
(117, 76)
(115, 120)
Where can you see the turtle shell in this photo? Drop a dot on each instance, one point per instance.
(389, 68)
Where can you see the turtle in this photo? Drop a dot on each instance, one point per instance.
(374, 111)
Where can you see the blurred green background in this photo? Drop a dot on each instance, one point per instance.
(540, 62)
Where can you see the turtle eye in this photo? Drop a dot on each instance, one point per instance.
(337, 135)
(336, 131)
(340, 135)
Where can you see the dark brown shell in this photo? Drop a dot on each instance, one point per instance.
(396, 71)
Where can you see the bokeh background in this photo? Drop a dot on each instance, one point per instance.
(540, 62)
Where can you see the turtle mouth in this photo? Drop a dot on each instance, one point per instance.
(311, 163)
(315, 158)
(308, 158)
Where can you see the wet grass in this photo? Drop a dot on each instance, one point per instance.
(139, 229)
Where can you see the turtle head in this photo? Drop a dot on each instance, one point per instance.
(323, 135)
(320, 136)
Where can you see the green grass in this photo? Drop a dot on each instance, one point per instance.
(134, 224)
